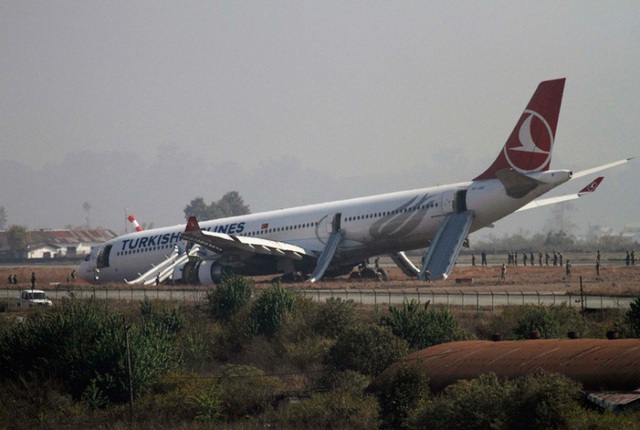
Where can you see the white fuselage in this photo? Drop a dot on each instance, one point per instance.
(374, 225)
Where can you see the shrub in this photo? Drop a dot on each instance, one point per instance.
(246, 390)
(334, 316)
(407, 391)
(83, 345)
(366, 348)
(632, 317)
(538, 401)
(344, 406)
(229, 296)
(553, 322)
(270, 311)
(423, 327)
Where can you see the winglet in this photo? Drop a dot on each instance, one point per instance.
(192, 224)
(592, 186)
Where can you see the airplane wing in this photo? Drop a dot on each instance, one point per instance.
(221, 243)
(559, 199)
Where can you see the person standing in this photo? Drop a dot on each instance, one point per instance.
(33, 280)
(568, 268)
(503, 272)
(484, 258)
(531, 259)
(473, 259)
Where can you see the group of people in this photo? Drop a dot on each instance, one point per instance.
(545, 259)
(630, 260)
(13, 280)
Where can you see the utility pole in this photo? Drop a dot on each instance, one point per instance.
(126, 336)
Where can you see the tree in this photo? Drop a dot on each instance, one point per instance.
(197, 208)
(18, 239)
(3, 218)
(230, 204)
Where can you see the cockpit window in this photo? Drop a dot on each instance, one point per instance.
(88, 257)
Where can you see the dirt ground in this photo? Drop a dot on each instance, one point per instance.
(613, 279)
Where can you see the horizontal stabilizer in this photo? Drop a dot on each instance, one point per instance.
(582, 173)
(559, 199)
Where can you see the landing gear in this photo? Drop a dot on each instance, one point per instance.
(364, 272)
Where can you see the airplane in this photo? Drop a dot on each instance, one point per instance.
(330, 239)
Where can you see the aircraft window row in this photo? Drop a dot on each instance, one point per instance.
(394, 212)
(285, 228)
(145, 249)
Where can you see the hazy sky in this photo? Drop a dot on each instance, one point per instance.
(145, 105)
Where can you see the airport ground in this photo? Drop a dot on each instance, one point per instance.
(615, 278)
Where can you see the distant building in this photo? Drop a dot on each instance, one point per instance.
(632, 231)
(46, 244)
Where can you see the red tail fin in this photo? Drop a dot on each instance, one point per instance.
(192, 224)
(530, 144)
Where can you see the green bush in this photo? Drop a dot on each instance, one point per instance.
(406, 392)
(246, 390)
(83, 345)
(632, 318)
(271, 309)
(538, 401)
(553, 322)
(423, 327)
(229, 296)
(343, 406)
(334, 316)
(366, 348)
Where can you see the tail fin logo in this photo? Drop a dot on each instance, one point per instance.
(531, 151)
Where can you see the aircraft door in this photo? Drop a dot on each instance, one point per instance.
(448, 203)
(461, 201)
(103, 257)
(455, 201)
(334, 223)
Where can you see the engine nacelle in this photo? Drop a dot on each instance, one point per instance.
(203, 272)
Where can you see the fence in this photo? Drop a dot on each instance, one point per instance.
(460, 298)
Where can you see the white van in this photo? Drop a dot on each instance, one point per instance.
(33, 298)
